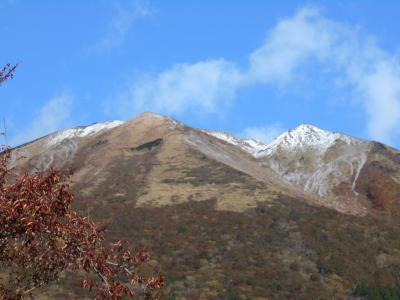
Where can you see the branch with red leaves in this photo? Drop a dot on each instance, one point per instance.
(41, 236)
(7, 72)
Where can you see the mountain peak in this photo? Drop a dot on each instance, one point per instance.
(307, 127)
(154, 119)
(306, 136)
(309, 135)
(149, 114)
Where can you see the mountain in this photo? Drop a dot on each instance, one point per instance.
(351, 175)
(154, 160)
(312, 214)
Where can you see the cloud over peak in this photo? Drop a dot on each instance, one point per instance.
(200, 87)
(290, 49)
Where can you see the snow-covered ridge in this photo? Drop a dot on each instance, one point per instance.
(78, 132)
(251, 146)
(303, 136)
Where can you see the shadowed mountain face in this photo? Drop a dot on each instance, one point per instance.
(311, 214)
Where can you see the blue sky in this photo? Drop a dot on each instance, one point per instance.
(254, 68)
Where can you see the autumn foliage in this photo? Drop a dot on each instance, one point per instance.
(7, 72)
(42, 237)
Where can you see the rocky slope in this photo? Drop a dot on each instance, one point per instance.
(311, 215)
(333, 166)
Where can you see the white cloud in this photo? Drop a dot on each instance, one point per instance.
(381, 90)
(122, 22)
(291, 47)
(200, 87)
(372, 73)
(263, 133)
(51, 117)
(294, 40)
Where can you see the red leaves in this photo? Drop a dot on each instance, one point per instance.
(41, 236)
(141, 257)
(7, 72)
(156, 282)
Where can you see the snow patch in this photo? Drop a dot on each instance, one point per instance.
(251, 146)
(73, 133)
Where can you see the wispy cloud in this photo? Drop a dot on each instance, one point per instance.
(54, 115)
(199, 87)
(372, 73)
(288, 52)
(122, 22)
(305, 36)
(263, 133)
